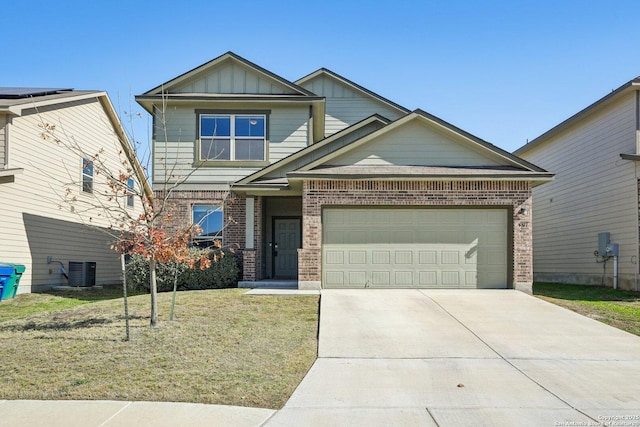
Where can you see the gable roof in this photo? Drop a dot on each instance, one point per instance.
(489, 149)
(630, 86)
(38, 99)
(360, 89)
(281, 164)
(166, 87)
(506, 166)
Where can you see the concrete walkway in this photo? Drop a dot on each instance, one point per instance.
(420, 358)
(457, 358)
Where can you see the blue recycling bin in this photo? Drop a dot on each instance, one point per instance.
(10, 275)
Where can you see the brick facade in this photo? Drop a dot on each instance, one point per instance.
(512, 194)
(180, 203)
(253, 258)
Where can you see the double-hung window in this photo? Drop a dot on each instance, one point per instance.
(233, 137)
(87, 176)
(210, 220)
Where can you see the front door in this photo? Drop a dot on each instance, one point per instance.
(286, 241)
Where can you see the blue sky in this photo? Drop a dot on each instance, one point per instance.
(505, 71)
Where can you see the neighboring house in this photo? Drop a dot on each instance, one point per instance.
(594, 155)
(323, 181)
(36, 228)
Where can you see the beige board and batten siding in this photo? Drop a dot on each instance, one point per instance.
(594, 190)
(233, 77)
(33, 224)
(345, 106)
(175, 153)
(415, 248)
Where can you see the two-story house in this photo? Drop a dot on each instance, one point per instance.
(595, 155)
(60, 245)
(323, 181)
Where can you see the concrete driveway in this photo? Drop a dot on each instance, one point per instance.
(454, 358)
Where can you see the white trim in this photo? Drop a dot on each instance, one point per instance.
(249, 222)
(233, 138)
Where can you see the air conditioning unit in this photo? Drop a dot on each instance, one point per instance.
(82, 273)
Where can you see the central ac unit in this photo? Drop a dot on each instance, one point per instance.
(82, 273)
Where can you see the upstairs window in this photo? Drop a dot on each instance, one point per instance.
(233, 137)
(130, 191)
(87, 176)
(210, 220)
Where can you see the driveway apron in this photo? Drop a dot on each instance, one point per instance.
(468, 357)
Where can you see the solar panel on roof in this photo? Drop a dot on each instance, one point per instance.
(25, 92)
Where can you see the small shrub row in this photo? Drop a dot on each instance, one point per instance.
(223, 273)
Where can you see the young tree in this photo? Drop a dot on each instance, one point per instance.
(152, 230)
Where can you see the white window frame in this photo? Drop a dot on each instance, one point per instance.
(85, 176)
(232, 136)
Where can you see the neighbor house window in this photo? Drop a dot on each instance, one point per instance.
(87, 176)
(130, 192)
(210, 220)
(233, 137)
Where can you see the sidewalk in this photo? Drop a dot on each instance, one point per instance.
(103, 413)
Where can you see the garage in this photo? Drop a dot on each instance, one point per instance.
(447, 248)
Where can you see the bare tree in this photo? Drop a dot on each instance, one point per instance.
(153, 231)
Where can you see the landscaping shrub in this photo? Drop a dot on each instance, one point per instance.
(223, 273)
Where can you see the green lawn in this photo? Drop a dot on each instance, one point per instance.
(614, 307)
(222, 347)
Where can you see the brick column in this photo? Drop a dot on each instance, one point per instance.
(249, 265)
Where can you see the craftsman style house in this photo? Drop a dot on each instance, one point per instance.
(323, 181)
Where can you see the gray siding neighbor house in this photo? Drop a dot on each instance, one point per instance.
(594, 155)
(55, 244)
(327, 183)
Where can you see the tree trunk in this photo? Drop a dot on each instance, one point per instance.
(153, 288)
(126, 302)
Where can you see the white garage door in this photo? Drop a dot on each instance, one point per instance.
(414, 248)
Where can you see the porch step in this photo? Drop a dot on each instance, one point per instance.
(269, 284)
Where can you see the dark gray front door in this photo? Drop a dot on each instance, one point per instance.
(285, 249)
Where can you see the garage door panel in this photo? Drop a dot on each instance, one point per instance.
(427, 257)
(381, 257)
(381, 278)
(403, 257)
(357, 278)
(403, 278)
(495, 238)
(357, 257)
(334, 279)
(428, 278)
(440, 248)
(334, 257)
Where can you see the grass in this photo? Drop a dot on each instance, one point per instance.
(222, 348)
(617, 308)
(25, 305)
